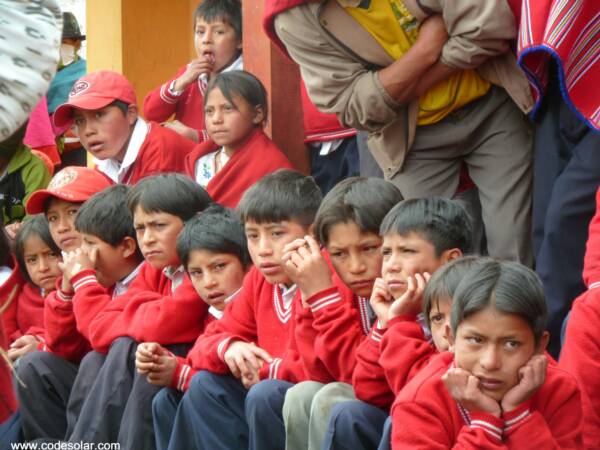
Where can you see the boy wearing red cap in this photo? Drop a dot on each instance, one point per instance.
(54, 369)
(102, 107)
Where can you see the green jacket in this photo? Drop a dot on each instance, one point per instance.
(26, 173)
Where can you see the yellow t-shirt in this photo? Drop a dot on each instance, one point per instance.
(396, 30)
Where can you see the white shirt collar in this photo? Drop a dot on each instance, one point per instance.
(175, 275)
(238, 64)
(218, 313)
(287, 294)
(117, 171)
(121, 286)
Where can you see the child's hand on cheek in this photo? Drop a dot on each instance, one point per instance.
(77, 261)
(531, 376)
(305, 265)
(381, 300)
(464, 388)
(411, 302)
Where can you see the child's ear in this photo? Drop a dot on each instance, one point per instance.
(132, 114)
(311, 230)
(449, 337)
(129, 246)
(543, 342)
(452, 254)
(259, 115)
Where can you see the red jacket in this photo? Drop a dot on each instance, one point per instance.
(580, 354)
(61, 335)
(335, 323)
(30, 312)
(258, 157)
(8, 402)
(162, 151)
(257, 315)
(425, 416)
(389, 359)
(11, 287)
(147, 312)
(188, 108)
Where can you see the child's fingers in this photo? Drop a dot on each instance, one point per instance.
(262, 354)
(313, 245)
(144, 367)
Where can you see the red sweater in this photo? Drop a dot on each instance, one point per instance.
(258, 157)
(389, 359)
(188, 108)
(162, 151)
(8, 403)
(334, 324)
(425, 416)
(257, 315)
(147, 312)
(14, 283)
(580, 354)
(30, 312)
(61, 335)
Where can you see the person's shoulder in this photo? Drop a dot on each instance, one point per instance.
(427, 385)
(159, 137)
(558, 380)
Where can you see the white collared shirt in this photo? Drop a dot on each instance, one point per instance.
(117, 171)
(287, 294)
(217, 313)
(175, 275)
(121, 286)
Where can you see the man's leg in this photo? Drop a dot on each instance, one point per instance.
(47, 381)
(164, 409)
(323, 403)
(211, 415)
(264, 404)
(86, 376)
(500, 161)
(296, 413)
(356, 425)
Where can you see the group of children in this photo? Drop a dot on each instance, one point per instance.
(141, 308)
(299, 322)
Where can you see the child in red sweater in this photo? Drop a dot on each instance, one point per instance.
(239, 152)
(419, 236)
(38, 257)
(160, 305)
(218, 43)
(497, 389)
(102, 106)
(246, 359)
(214, 252)
(580, 353)
(335, 316)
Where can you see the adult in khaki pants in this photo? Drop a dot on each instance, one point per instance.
(435, 85)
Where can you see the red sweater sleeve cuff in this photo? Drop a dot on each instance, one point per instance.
(270, 371)
(324, 298)
(377, 333)
(492, 425)
(60, 294)
(166, 96)
(83, 278)
(514, 418)
(182, 376)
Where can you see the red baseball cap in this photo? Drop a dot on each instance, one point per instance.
(94, 91)
(72, 184)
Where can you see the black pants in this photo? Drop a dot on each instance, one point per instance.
(566, 177)
(328, 170)
(43, 396)
(118, 404)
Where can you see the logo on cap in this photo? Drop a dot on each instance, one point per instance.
(78, 88)
(61, 179)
